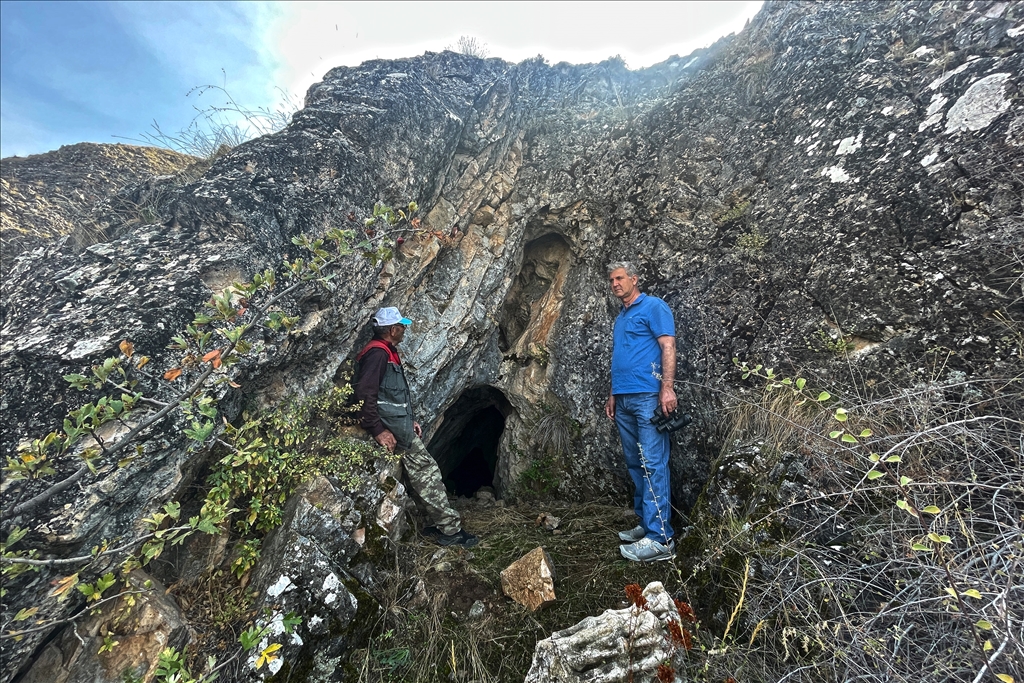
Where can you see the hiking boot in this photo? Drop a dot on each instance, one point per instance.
(648, 550)
(633, 535)
(461, 538)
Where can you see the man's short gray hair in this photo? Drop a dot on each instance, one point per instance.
(625, 265)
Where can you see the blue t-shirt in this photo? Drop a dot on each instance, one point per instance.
(636, 355)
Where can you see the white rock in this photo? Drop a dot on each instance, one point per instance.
(980, 105)
(836, 174)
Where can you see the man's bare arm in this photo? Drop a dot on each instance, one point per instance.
(667, 395)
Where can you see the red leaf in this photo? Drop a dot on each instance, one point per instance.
(172, 374)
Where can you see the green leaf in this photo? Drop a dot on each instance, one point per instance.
(950, 591)
(921, 547)
(904, 480)
(849, 438)
(840, 415)
(973, 593)
(290, 621)
(800, 382)
(874, 457)
(904, 505)
(824, 396)
(865, 433)
(17, 533)
(79, 382)
(835, 434)
(105, 582)
(1005, 678)
(932, 510)
(173, 510)
(875, 474)
(894, 458)
(24, 614)
(983, 624)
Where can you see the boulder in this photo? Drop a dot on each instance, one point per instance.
(313, 605)
(617, 646)
(530, 580)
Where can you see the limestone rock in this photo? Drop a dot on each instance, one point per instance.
(548, 521)
(141, 632)
(530, 580)
(617, 646)
(303, 572)
(391, 512)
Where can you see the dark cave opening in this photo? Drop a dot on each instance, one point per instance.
(466, 444)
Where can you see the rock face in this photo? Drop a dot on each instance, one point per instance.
(141, 631)
(838, 176)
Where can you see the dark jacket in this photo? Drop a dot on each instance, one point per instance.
(382, 387)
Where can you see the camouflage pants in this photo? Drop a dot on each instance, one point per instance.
(425, 479)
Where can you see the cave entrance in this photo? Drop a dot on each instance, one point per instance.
(466, 444)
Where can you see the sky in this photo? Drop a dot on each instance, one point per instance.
(107, 71)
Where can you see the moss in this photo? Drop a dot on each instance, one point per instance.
(732, 213)
(824, 342)
(752, 242)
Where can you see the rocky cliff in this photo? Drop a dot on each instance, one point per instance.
(46, 196)
(836, 188)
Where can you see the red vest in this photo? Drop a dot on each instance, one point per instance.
(381, 344)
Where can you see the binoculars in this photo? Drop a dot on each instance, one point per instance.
(671, 422)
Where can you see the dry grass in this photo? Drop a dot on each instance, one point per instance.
(837, 590)
(590, 576)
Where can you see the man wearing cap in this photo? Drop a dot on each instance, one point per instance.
(643, 374)
(387, 415)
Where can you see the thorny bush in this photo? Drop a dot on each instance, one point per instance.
(886, 539)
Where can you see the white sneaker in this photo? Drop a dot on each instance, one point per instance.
(647, 550)
(633, 535)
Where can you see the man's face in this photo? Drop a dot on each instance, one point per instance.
(623, 286)
(397, 333)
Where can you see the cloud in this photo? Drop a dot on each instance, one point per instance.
(215, 43)
(315, 37)
(90, 71)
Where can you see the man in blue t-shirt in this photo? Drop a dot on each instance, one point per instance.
(643, 372)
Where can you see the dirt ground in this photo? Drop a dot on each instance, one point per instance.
(431, 631)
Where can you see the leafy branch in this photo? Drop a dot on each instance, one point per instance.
(218, 338)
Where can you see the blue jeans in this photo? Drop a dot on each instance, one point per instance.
(646, 450)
